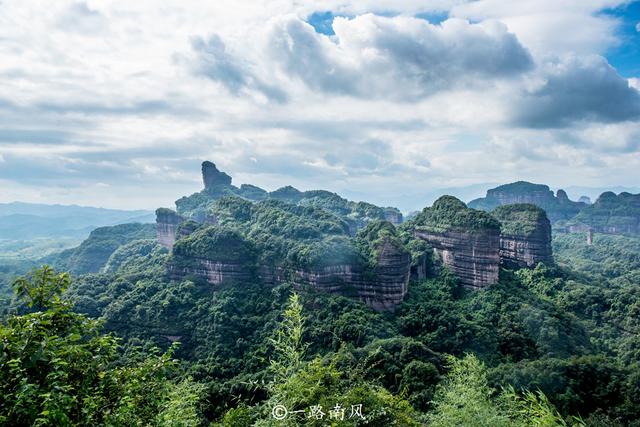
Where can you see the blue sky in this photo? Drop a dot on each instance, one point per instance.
(387, 101)
(625, 56)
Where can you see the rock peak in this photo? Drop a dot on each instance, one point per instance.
(212, 177)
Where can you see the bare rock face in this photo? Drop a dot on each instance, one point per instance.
(467, 241)
(212, 177)
(558, 207)
(221, 257)
(393, 215)
(214, 272)
(382, 289)
(167, 223)
(473, 257)
(525, 239)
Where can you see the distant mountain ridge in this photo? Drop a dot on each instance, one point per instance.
(24, 221)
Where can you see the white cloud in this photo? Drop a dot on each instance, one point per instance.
(134, 95)
(401, 58)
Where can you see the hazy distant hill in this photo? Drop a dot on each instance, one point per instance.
(25, 221)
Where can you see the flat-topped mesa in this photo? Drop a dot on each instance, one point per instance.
(382, 286)
(558, 207)
(304, 245)
(610, 214)
(393, 215)
(525, 239)
(466, 240)
(216, 254)
(212, 177)
(167, 223)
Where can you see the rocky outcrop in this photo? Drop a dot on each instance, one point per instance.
(467, 241)
(212, 177)
(610, 214)
(393, 215)
(558, 207)
(167, 223)
(585, 199)
(382, 288)
(220, 256)
(474, 257)
(525, 239)
(214, 272)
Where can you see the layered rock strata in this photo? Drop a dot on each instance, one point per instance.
(610, 214)
(467, 241)
(167, 223)
(525, 239)
(214, 272)
(381, 288)
(473, 257)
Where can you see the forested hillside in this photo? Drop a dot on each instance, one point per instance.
(552, 344)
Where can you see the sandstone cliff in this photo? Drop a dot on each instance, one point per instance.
(373, 268)
(467, 241)
(167, 223)
(212, 177)
(558, 207)
(525, 239)
(610, 214)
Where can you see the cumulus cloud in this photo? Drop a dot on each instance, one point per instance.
(403, 58)
(80, 18)
(385, 109)
(216, 63)
(577, 89)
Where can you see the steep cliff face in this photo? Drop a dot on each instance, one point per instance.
(393, 215)
(473, 257)
(373, 268)
(610, 214)
(558, 207)
(382, 286)
(467, 241)
(214, 272)
(167, 223)
(525, 239)
(212, 177)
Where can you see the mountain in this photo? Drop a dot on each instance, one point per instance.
(25, 221)
(610, 214)
(557, 206)
(349, 308)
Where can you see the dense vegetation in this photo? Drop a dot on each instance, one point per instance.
(355, 213)
(612, 212)
(94, 252)
(520, 219)
(554, 345)
(449, 213)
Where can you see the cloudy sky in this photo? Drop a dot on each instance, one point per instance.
(115, 104)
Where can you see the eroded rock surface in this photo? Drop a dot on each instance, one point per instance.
(525, 239)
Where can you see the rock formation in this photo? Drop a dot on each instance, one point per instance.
(383, 288)
(585, 199)
(525, 238)
(610, 214)
(167, 223)
(393, 215)
(212, 177)
(220, 254)
(558, 207)
(467, 241)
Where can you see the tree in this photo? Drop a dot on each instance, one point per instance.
(465, 399)
(57, 369)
